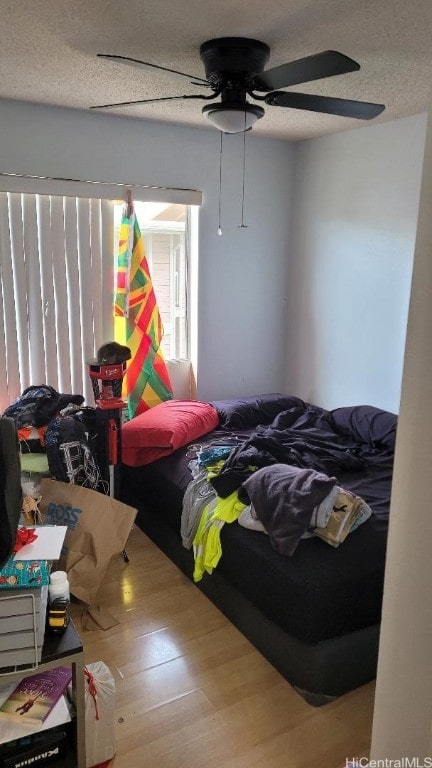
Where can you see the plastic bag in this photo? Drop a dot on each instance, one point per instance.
(99, 713)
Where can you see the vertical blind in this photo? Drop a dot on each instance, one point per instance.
(56, 290)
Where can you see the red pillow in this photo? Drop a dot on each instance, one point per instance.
(160, 430)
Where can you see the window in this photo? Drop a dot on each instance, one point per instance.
(163, 229)
(54, 284)
(57, 285)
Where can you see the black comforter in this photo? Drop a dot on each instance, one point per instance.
(302, 437)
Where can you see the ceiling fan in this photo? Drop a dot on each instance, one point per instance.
(234, 70)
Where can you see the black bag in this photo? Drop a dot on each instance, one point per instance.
(70, 458)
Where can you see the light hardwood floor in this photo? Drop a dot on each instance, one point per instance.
(192, 692)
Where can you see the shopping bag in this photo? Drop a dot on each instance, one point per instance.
(98, 528)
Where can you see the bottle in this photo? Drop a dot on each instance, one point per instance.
(58, 586)
(59, 598)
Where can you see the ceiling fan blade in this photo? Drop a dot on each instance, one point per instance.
(147, 101)
(362, 110)
(146, 65)
(325, 64)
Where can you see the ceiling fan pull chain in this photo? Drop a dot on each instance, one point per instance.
(243, 225)
(219, 229)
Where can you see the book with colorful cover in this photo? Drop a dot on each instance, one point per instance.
(34, 697)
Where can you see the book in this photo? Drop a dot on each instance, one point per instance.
(34, 697)
(11, 729)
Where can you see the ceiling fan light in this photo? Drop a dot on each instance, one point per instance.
(233, 118)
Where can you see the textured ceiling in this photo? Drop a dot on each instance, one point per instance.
(48, 53)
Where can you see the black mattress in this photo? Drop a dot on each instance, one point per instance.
(320, 592)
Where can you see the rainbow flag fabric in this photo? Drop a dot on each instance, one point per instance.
(147, 381)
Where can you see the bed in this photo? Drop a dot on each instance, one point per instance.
(315, 614)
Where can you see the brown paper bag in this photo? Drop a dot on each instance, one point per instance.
(98, 528)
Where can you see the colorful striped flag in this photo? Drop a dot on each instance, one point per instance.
(147, 381)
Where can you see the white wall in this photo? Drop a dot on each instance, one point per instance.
(354, 224)
(403, 705)
(242, 275)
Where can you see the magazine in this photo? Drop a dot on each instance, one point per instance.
(33, 698)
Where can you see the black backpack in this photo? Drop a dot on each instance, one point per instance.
(70, 458)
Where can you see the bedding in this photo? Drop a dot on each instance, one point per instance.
(315, 614)
(249, 412)
(366, 424)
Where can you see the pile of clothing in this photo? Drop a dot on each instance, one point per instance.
(287, 502)
(59, 426)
